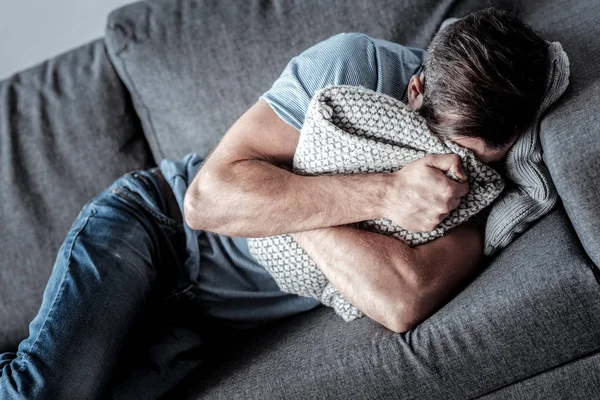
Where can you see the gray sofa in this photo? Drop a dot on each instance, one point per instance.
(170, 77)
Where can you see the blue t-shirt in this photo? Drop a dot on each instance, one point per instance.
(343, 59)
(233, 286)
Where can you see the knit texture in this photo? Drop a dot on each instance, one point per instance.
(533, 194)
(352, 129)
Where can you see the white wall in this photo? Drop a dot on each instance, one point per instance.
(34, 30)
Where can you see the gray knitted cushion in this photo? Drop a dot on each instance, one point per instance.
(349, 130)
(533, 193)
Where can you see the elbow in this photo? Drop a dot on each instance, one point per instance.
(190, 209)
(404, 321)
(410, 309)
(204, 208)
(196, 205)
(400, 328)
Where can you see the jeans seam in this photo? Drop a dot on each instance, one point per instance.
(140, 177)
(60, 290)
(143, 179)
(151, 185)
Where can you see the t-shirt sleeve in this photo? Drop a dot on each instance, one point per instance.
(345, 58)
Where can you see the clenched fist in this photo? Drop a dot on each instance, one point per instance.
(420, 195)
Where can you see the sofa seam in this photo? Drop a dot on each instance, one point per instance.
(134, 92)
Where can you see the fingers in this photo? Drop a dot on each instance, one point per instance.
(459, 189)
(447, 162)
(454, 203)
(450, 205)
(458, 171)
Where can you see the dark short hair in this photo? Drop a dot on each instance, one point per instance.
(483, 77)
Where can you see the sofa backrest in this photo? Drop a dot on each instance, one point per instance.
(193, 67)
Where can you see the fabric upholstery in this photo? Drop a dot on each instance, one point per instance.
(517, 318)
(556, 383)
(195, 66)
(572, 129)
(67, 130)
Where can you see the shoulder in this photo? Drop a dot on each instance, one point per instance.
(360, 47)
(359, 59)
(345, 57)
(355, 58)
(356, 39)
(345, 44)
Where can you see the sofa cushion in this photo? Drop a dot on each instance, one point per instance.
(195, 66)
(577, 379)
(531, 309)
(67, 130)
(571, 131)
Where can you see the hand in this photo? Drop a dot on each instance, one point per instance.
(420, 195)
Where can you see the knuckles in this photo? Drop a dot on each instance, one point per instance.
(444, 209)
(428, 227)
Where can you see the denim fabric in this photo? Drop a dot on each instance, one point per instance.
(121, 263)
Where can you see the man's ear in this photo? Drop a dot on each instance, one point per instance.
(415, 92)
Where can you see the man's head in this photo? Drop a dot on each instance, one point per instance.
(482, 81)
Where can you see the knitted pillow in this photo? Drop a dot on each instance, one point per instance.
(349, 130)
(533, 194)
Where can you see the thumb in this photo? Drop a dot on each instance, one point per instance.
(448, 162)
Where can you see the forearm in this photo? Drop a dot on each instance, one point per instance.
(397, 285)
(372, 271)
(254, 198)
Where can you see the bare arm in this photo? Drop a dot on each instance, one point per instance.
(245, 186)
(392, 283)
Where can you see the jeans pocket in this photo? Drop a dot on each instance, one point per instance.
(129, 195)
(140, 188)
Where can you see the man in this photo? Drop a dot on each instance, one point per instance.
(132, 249)
(479, 86)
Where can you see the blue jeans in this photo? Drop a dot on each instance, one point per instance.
(115, 316)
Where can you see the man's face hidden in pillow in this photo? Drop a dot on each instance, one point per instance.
(482, 82)
(475, 144)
